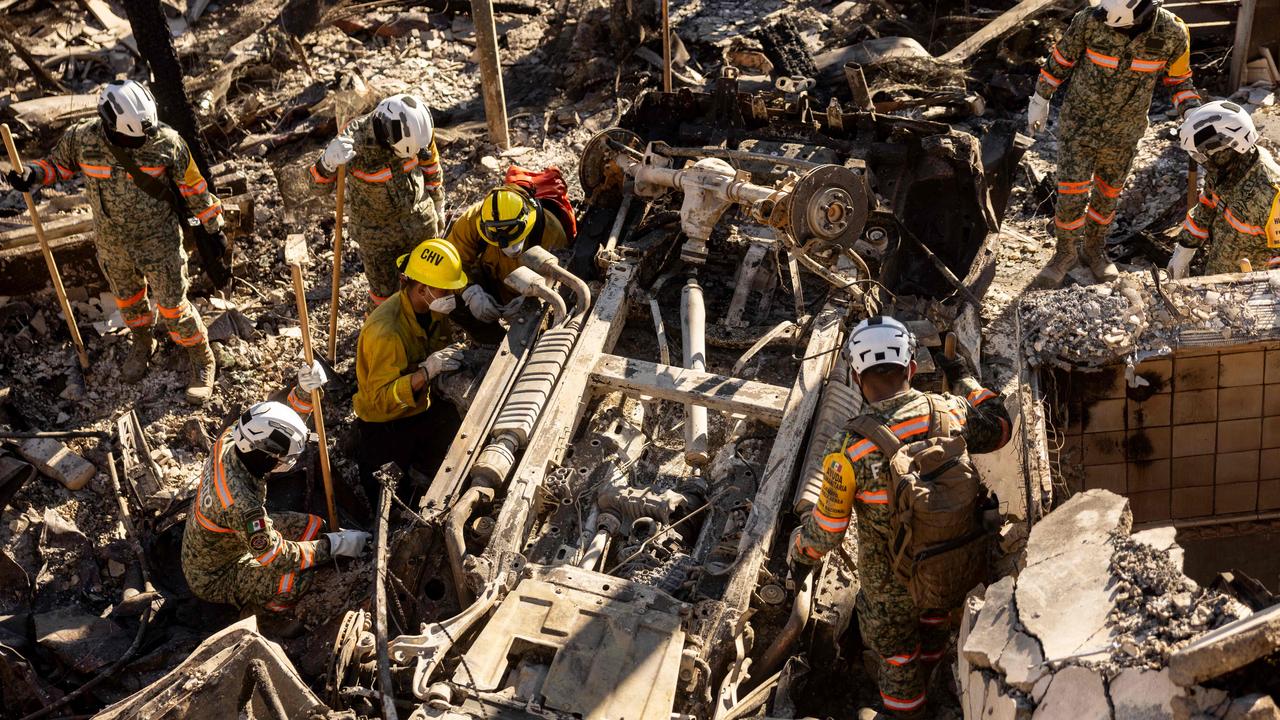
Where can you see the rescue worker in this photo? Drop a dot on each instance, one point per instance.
(1238, 216)
(491, 234)
(395, 188)
(233, 550)
(403, 346)
(907, 641)
(137, 236)
(1112, 56)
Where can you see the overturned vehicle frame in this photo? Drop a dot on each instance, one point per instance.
(613, 510)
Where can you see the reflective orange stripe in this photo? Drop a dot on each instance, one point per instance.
(140, 321)
(307, 557)
(430, 168)
(902, 659)
(894, 703)
(191, 341)
(277, 606)
(1099, 218)
(100, 172)
(1107, 189)
(914, 426)
(377, 299)
(153, 170)
(286, 584)
(64, 173)
(219, 476)
(860, 449)
(1074, 188)
(209, 212)
(1045, 76)
(1063, 61)
(171, 313)
(1177, 79)
(189, 190)
(208, 524)
(979, 396)
(1147, 66)
(123, 303)
(933, 619)
(1072, 225)
(297, 403)
(1210, 202)
(1101, 60)
(315, 175)
(830, 524)
(47, 174)
(313, 528)
(1185, 95)
(378, 176)
(1240, 225)
(266, 557)
(879, 497)
(410, 164)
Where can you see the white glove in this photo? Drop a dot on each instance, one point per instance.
(442, 361)
(339, 152)
(511, 309)
(311, 377)
(1037, 114)
(481, 304)
(1180, 263)
(347, 543)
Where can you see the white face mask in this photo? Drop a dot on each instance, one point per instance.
(444, 305)
(513, 250)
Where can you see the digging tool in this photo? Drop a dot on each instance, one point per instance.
(56, 277)
(949, 352)
(340, 196)
(1193, 185)
(295, 254)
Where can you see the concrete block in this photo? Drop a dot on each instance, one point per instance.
(1155, 411)
(1253, 707)
(1235, 498)
(1240, 402)
(1105, 416)
(1228, 648)
(1075, 693)
(994, 627)
(1141, 694)
(1086, 519)
(1165, 539)
(1237, 435)
(1000, 706)
(1022, 662)
(972, 606)
(1042, 687)
(1237, 369)
(1194, 471)
(1192, 502)
(55, 460)
(1195, 373)
(1195, 406)
(1198, 439)
(1200, 703)
(1236, 467)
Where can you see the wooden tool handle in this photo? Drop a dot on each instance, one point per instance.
(341, 193)
(295, 254)
(949, 346)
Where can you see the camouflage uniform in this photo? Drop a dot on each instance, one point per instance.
(392, 204)
(233, 551)
(901, 634)
(1238, 212)
(138, 238)
(1113, 77)
(485, 264)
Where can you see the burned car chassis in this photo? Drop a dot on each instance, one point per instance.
(612, 521)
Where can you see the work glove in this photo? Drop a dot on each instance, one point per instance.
(1180, 263)
(511, 309)
(22, 182)
(347, 543)
(338, 152)
(952, 368)
(442, 361)
(218, 242)
(795, 558)
(1037, 114)
(481, 304)
(311, 377)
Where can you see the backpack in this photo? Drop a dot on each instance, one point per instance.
(548, 186)
(939, 544)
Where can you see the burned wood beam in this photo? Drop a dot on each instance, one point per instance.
(718, 392)
(42, 75)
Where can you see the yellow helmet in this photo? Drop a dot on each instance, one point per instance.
(506, 217)
(434, 263)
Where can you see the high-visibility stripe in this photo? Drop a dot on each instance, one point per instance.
(1062, 60)
(808, 551)
(1074, 188)
(266, 557)
(377, 299)
(932, 656)
(1106, 188)
(1240, 225)
(153, 170)
(47, 174)
(1073, 225)
(878, 497)
(830, 524)
(140, 321)
(894, 703)
(123, 303)
(911, 427)
(1101, 60)
(64, 173)
(860, 449)
(210, 525)
(902, 658)
(188, 341)
(979, 396)
(285, 585)
(410, 164)
(1185, 95)
(1209, 202)
(1099, 218)
(432, 184)
(1189, 224)
(1045, 76)
(320, 179)
(209, 212)
(172, 313)
(1147, 66)
(956, 416)
(101, 172)
(313, 528)
(297, 403)
(277, 606)
(430, 168)
(219, 476)
(308, 557)
(1177, 79)
(933, 619)
(378, 176)
(189, 190)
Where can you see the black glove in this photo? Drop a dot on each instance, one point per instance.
(24, 182)
(218, 242)
(952, 368)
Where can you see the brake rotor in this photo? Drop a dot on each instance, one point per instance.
(830, 203)
(344, 652)
(597, 171)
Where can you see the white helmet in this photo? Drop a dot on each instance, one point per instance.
(127, 108)
(1126, 13)
(403, 123)
(274, 429)
(1217, 126)
(879, 340)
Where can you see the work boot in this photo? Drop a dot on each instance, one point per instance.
(1094, 255)
(135, 364)
(1052, 275)
(203, 370)
(873, 714)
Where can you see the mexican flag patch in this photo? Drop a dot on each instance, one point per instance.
(257, 525)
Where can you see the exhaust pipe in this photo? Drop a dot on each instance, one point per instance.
(455, 542)
(529, 284)
(693, 319)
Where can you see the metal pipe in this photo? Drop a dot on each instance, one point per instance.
(666, 46)
(258, 678)
(693, 321)
(665, 150)
(780, 648)
(530, 284)
(55, 434)
(455, 542)
(380, 608)
(541, 261)
(615, 232)
(595, 551)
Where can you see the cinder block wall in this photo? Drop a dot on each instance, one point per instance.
(1202, 439)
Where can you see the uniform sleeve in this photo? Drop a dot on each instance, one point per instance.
(465, 238)
(1063, 57)
(322, 181)
(1196, 224)
(825, 526)
(61, 164)
(269, 548)
(300, 401)
(1271, 228)
(201, 201)
(1178, 72)
(986, 421)
(433, 175)
(389, 393)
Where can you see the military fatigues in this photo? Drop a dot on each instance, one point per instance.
(138, 238)
(485, 264)
(392, 203)
(857, 481)
(1104, 115)
(233, 551)
(1238, 215)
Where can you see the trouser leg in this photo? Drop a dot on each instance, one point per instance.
(1109, 172)
(169, 283)
(127, 283)
(889, 623)
(379, 249)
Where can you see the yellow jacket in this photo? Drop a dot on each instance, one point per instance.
(392, 345)
(485, 264)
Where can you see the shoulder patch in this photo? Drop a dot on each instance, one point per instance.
(259, 541)
(838, 471)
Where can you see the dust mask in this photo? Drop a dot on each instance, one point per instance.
(444, 305)
(513, 249)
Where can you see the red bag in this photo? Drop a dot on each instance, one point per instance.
(547, 185)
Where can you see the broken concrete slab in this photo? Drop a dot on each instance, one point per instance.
(972, 606)
(1067, 591)
(1228, 648)
(1075, 693)
(1022, 662)
(1253, 707)
(1142, 694)
(999, 705)
(54, 459)
(994, 627)
(83, 641)
(1164, 539)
